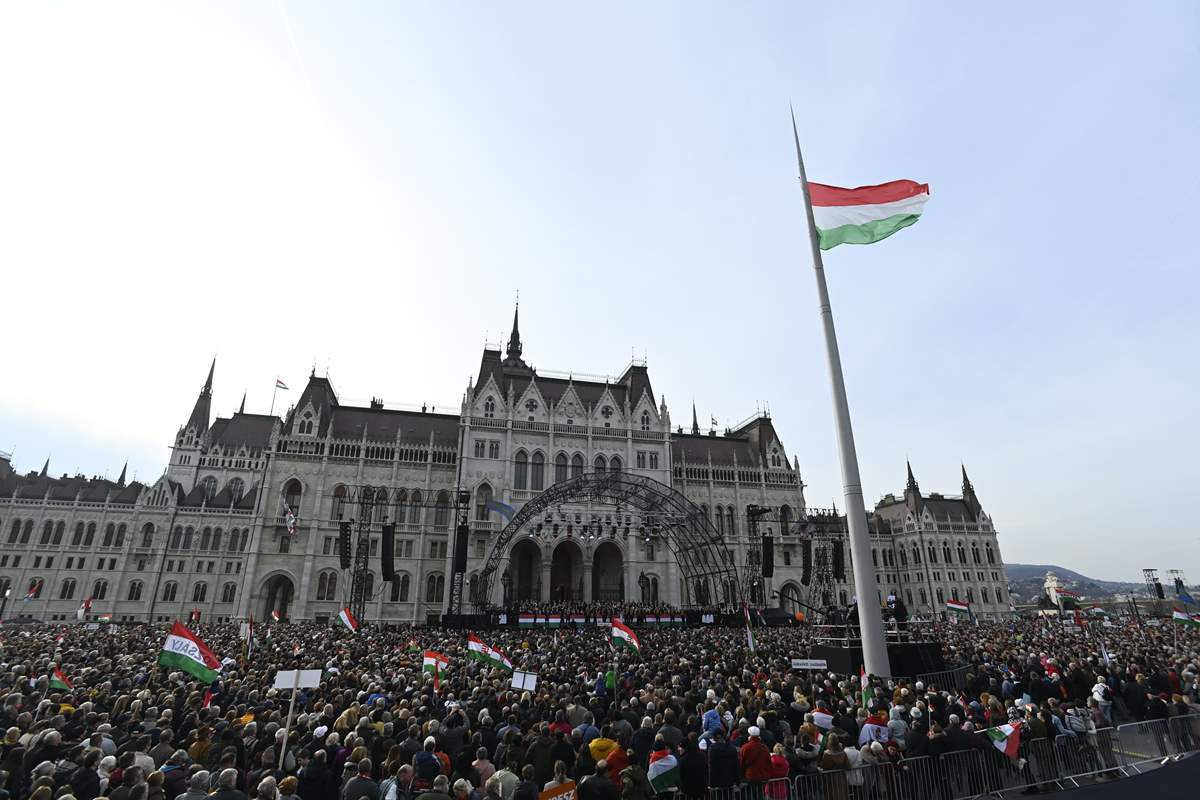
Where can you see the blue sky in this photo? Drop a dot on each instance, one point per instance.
(367, 187)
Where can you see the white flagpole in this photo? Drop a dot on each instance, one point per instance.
(273, 391)
(870, 621)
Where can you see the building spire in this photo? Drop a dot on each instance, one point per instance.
(912, 482)
(121, 480)
(967, 488)
(202, 410)
(45, 468)
(695, 422)
(514, 338)
(242, 407)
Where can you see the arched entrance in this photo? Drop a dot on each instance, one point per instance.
(566, 573)
(790, 598)
(608, 574)
(526, 561)
(278, 592)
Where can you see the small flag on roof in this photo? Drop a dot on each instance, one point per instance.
(281, 385)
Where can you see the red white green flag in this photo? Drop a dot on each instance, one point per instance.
(348, 620)
(866, 214)
(1006, 739)
(959, 606)
(623, 635)
(478, 650)
(186, 651)
(60, 681)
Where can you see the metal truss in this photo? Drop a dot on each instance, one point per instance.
(666, 515)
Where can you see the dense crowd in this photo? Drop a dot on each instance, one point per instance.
(694, 710)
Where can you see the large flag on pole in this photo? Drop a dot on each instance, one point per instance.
(478, 650)
(184, 650)
(623, 635)
(866, 214)
(348, 620)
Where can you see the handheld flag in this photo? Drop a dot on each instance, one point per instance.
(864, 685)
(958, 606)
(348, 620)
(434, 662)
(866, 214)
(34, 589)
(186, 651)
(479, 651)
(275, 616)
(749, 633)
(104, 617)
(663, 771)
(623, 635)
(503, 509)
(84, 609)
(1006, 739)
(1184, 618)
(60, 681)
(413, 646)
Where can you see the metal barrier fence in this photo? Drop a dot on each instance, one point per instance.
(946, 679)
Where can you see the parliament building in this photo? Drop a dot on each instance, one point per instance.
(212, 535)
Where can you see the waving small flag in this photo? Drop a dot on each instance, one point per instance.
(281, 385)
(60, 681)
(503, 509)
(289, 519)
(1006, 739)
(34, 589)
(413, 646)
(186, 651)
(84, 608)
(959, 606)
(275, 615)
(663, 771)
(1184, 618)
(348, 620)
(480, 651)
(434, 662)
(104, 617)
(623, 635)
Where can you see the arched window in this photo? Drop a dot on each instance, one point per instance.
(970, 595)
(237, 488)
(381, 504)
(991, 556)
(435, 586)
(15, 531)
(188, 534)
(903, 557)
(369, 584)
(520, 470)
(177, 537)
(983, 594)
(48, 531)
(199, 592)
(216, 542)
(327, 585)
(874, 557)
(76, 538)
(120, 541)
(401, 498)
(293, 493)
(560, 467)
(400, 588)
(90, 537)
(615, 464)
(206, 539)
(537, 475)
(228, 592)
(933, 554)
(209, 487)
(110, 530)
(35, 587)
(233, 540)
(306, 424)
(339, 502)
(576, 465)
(953, 592)
(947, 552)
(962, 553)
(732, 526)
(135, 591)
(785, 519)
(483, 498)
(67, 590)
(148, 535)
(999, 595)
(414, 507)
(59, 530)
(645, 420)
(599, 464)
(441, 510)
(941, 597)
(244, 541)
(27, 532)
(916, 555)
(99, 589)
(489, 407)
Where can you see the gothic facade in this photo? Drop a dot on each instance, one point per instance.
(212, 534)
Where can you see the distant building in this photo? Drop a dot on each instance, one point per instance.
(211, 533)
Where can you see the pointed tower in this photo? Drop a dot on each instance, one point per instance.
(912, 492)
(968, 492)
(512, 354)
(45, 468)
(201, 412)
(695, 422)
(185, 453)
(121, 480)
(242, 407)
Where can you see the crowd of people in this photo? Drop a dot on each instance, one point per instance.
(694, 710)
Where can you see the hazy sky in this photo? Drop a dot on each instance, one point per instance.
(366, 186)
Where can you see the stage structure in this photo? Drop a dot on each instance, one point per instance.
(356, 510)
(822, 536)
(644, 508)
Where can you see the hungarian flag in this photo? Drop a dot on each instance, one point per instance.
(959, 606)
(348, 620)
(281, 385)
(250, 638)
(186, 651)
(104, 617)
(413, 647)
(866, 214)
(275, 616)
(623, 635)
(289, 519)
(554, 620)
(663, 771)
(479, 651)
(749, 633)
(526, 620)
(434, 662)
(1184, 618)
(34, 588)
(1006, 739)
(84, 608)
(60, 681)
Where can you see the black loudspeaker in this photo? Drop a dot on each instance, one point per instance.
(839, 562)
(1179, 587)
(461, 537)
(344, 544)
(768, 556)
(387, 568)
(1158, 590)
(806, 562)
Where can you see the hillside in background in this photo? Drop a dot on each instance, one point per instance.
(1025, 580)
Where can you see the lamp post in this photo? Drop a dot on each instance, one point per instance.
(4, 603)
(644, 585)
(506, 581)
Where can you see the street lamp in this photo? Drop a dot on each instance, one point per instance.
(506, 580)
(644, 585)
(4, 604)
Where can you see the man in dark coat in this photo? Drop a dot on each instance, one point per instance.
(597, 786)
(724, 768)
